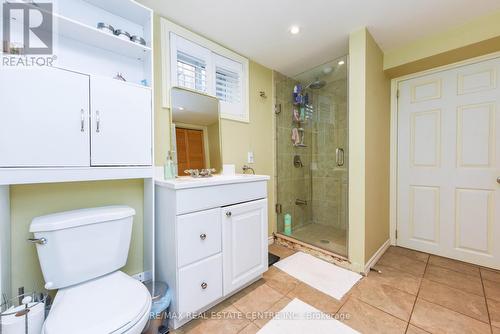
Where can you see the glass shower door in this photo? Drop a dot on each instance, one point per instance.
(312, 160)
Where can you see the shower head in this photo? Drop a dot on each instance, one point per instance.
(317, 84)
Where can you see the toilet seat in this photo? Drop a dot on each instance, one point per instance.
(114, 303)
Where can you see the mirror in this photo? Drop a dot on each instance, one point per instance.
(196, 139)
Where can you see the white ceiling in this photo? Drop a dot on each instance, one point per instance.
(258, 29)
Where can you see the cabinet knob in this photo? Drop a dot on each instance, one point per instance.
(203, 236)
(228, 214)
(204, 285)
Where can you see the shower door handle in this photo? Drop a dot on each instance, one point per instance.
(339, 157)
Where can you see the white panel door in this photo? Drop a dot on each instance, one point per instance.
(121, 123)
(244, 245)
(48, 128)
(449, 162)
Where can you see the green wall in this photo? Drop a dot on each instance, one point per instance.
(29, 201)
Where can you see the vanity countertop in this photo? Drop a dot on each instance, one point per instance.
(185, 182)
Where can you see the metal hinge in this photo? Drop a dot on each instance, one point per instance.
(396, 234)
(397, 94)
(277, 207)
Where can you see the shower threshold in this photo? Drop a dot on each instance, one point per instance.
(298, 245)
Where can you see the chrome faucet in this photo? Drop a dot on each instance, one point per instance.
(246, 167)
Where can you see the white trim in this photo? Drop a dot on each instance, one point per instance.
(378, 254)
(270, 240)
(166, 28)
(393, 214)
(5, 252)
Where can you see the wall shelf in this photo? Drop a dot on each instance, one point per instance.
(11, 176)
(88, 35)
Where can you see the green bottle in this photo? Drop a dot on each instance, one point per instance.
(168, 168)
(288, 224)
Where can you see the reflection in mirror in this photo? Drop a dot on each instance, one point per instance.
(196, 140)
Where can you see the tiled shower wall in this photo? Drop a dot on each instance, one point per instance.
(320, 181)
(329, 181)
(293, 183)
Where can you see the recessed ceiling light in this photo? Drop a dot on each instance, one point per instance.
(341, 62)
(181, 108)
(294, 30)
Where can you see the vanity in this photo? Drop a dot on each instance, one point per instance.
(211, 239)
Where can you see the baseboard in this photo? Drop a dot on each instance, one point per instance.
(378, 254)
(270, 240)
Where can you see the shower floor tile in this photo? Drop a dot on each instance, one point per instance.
(326, 237)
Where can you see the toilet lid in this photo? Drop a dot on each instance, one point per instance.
(107, 304)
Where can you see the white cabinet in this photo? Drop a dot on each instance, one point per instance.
(121, 123)
(245, 243)
(211, 239)
(56, 118)
(44, 118)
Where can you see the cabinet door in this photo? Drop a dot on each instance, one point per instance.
(244, 234)
(44, 118)
(121, 123)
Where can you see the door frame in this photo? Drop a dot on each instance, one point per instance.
(394, 175)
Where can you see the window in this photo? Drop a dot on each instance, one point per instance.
(229, 87)
(196, 63)
(191, 72)
(191, 64)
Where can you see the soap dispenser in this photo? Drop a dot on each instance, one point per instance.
(168, 167)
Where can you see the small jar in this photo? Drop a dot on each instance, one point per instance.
(138, 40)
(122, 34)
(107, 28)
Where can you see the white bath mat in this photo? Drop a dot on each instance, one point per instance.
(299, 318)
(321, 275)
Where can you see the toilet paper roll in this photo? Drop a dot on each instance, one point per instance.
(12, 324)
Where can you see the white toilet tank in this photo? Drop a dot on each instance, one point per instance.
(76, 246)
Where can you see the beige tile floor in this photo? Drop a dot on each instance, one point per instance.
(315, 234)
(416, 293)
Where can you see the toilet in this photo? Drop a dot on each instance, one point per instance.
(80, 253)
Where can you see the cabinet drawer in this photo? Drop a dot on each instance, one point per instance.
(200, 284)
(199, 235)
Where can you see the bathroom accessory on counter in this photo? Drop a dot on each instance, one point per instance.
(25, 318)
(168, 167)
(228, 170)
(122, 34)
(107, 28)
(288, 224)
(197, 173)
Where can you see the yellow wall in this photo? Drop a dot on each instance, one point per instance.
(474, 38)
(237, 138)
(29, 201)
(369, 123)
(377, 149)
(357, 123)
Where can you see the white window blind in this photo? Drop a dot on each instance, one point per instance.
(191, 65)
(230, 87)
(191, 72)
(227, 85)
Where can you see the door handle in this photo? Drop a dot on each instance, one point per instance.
(82, 120)
(228, 214)
(339, 157)
(498, 180)
(98, 121)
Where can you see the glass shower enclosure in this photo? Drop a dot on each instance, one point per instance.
(312, 156)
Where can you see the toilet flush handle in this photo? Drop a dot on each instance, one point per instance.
(38, 241)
